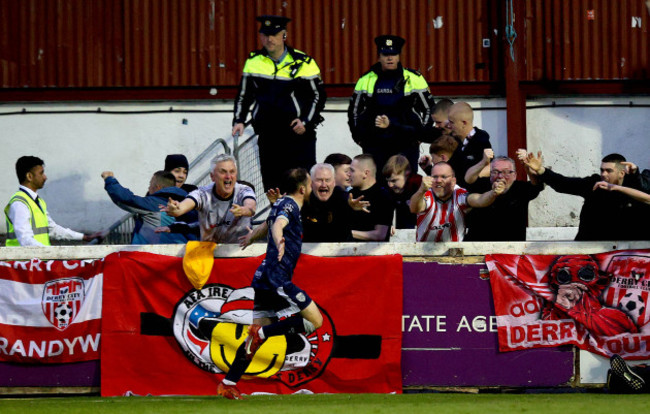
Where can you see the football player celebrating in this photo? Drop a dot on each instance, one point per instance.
(275, 294)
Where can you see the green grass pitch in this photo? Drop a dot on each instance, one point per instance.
(437, 403)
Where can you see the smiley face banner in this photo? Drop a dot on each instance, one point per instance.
(161, 336)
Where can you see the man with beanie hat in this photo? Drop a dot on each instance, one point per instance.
(177, 165)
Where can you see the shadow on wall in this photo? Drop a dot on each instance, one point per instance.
(69, 205)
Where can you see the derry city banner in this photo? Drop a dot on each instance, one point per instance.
(597, 302)
(161, 336)
(51, 311)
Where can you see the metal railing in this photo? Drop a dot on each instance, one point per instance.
(247, 156)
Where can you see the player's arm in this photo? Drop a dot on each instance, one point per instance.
(277, 232)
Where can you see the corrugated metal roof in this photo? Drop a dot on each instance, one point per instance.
(190, 43)
(587, 39)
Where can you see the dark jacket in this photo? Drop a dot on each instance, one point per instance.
(147, 212)
(328, 221)
(605, 215)
(507, 218)
(471, 154)
(407, 103)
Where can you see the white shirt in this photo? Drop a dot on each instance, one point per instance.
(20, 216)
(467, 138)
(217, 223)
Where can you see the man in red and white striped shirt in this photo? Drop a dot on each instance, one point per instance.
(441, 205)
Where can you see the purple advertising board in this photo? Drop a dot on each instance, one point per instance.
(450, 340)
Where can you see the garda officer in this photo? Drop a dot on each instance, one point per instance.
(284, 88)
(28, 222)
(390, 107)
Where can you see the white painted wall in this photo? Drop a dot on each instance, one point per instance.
(77, 147)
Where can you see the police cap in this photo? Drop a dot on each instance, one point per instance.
(271, 25)
(389, 44)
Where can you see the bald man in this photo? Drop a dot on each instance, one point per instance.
(373, 225)
(473, 139)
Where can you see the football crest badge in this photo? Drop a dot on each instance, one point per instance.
(62, 299)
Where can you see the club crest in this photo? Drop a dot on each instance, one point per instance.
(62, 300)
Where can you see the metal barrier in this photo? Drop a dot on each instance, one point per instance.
(248, 161)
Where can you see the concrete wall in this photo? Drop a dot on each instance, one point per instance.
(78, 143)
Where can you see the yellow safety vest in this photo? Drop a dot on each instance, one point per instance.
(291, 88)
(295, 64)
(415, 83)
(38, 219)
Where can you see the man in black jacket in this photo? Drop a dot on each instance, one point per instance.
(282, 91)
(473, 141)
(605, 215)
(390, 106)
(507, 218)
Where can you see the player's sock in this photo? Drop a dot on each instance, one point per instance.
(292, 325)
(238, 366)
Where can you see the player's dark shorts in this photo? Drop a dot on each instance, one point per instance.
(275, 293)
(283, 302)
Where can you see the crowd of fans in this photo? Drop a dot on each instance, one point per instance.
(352, 200)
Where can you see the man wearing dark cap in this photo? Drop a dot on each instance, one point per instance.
(282, 90)
(177, 165)
(390, 106)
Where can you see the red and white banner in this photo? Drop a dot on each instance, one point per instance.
(597, 302)
(163, 337)
(51, 311)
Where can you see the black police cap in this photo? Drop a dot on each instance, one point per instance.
(271, 25)
(389, 44)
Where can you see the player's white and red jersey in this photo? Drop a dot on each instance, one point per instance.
(443, 220)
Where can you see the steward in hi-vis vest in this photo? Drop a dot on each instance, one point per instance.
(389, 107)
(38, 218)
(282, 90)
(28, 222)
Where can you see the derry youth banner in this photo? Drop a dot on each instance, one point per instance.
(597, 302)
(51, 311)
(163, 337)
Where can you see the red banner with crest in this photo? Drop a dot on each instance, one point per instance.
(597, 302)
(51, 311)
(163, 337)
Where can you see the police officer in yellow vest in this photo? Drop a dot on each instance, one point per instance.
(390, 107)
(28, 222)
(282, 90)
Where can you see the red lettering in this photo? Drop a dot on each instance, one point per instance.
(528, 307)
(614, 346)
(631, 344)
(517, 334)
(517, 310)
(531, 306)
(549, 332)
(533, 333)
(566, 330)
(646, 340)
